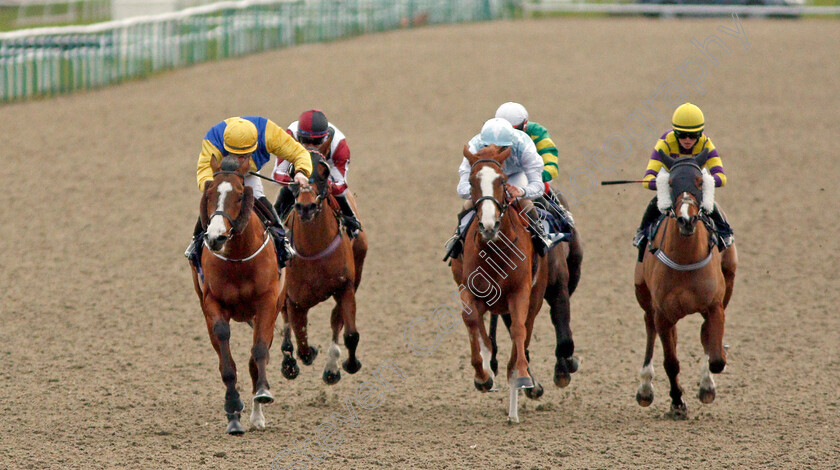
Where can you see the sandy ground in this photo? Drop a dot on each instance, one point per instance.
(106, 362)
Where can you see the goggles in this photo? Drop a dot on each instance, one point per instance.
(687, 135)
(306, 138)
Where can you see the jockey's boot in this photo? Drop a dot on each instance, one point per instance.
(651, 214)
(542, 242)
(351, 222)
(193, 252)
(284, 203)
(277, 231)
(725, 235)
(455, 245)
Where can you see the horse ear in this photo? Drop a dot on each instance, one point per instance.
(215, 163)
(666, 159)
(469, 155)
(244, 165)
(702, 157)
(504, 155)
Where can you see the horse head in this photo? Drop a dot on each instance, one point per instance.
(487, 183)
(308, 199)
(227, 203)
(686, 189)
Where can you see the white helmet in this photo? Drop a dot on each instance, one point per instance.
(514, 113)
(497, 132)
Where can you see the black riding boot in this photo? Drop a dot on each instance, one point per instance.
(193, 252)
(724, 231)
(275, 228)
(455, 245)
(284, 203)
(351, 222)
(652, 213)
(542, 242)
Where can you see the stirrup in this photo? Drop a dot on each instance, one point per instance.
(639, 238)
(453, 247)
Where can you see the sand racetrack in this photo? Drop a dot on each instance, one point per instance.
(105, 359)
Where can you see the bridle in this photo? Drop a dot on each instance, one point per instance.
(321, 185)
(501, 205)
(237, 225)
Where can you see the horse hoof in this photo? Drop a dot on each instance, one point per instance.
(264, 396)
(290, 368)
(484, 387)
(351, 366)
(234, 427)
(536, 392)
(677, 412)
(644, 396)
(706, 396)
(494, 366)
(521, 383)
(561, 374)
(308, 359)
(331, 378)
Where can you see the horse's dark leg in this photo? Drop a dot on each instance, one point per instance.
(290, 368)
(332, 373)
(668, 336)
(574, 260)
(298, 319)
(346, 303)
(711, 335)
(494, 322)
(219, 330)
(557, 296)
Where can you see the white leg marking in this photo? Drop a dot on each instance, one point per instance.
(486, 353)
(706, 380)
(513, 410)
(217, 224)
(645, 376)
(486, 177)
(257, 418)
(332, 357)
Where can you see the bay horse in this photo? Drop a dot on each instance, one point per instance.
(499, 272)
(328, 264)
(240, 282)
(681, 274)
(564, 263)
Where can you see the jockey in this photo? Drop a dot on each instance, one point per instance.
(255, 138)
(685, 140)
(517, 116)
(315, 132)
(524, 174)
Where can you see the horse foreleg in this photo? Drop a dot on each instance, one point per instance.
(668, 336)
(360, 247)
(332, 374)
(480, 348)
(298, 319)
(574, 260)
(518, 305)
(219, 330)
(494, 323)
(644, 394)
(263, 337)
(346, 303)
(711, 335)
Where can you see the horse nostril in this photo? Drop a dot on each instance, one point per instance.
(497, 224)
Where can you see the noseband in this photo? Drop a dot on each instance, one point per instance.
(501, 205)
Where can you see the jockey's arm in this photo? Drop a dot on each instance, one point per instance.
(282, 145)
(714, 164)
(339, 162)
(464, 179)
(654, 165)
(546, 148)
(532, 166)
(204, 173)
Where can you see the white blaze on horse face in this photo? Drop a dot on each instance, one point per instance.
(684, 206)
(486, 177)
(216, 228)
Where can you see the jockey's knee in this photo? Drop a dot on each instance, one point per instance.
(468, 205)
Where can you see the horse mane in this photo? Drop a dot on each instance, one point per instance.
(244, 211)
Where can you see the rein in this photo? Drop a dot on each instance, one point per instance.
(241, 260)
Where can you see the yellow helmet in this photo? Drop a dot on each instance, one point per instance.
(688, 118)
(240, 136)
